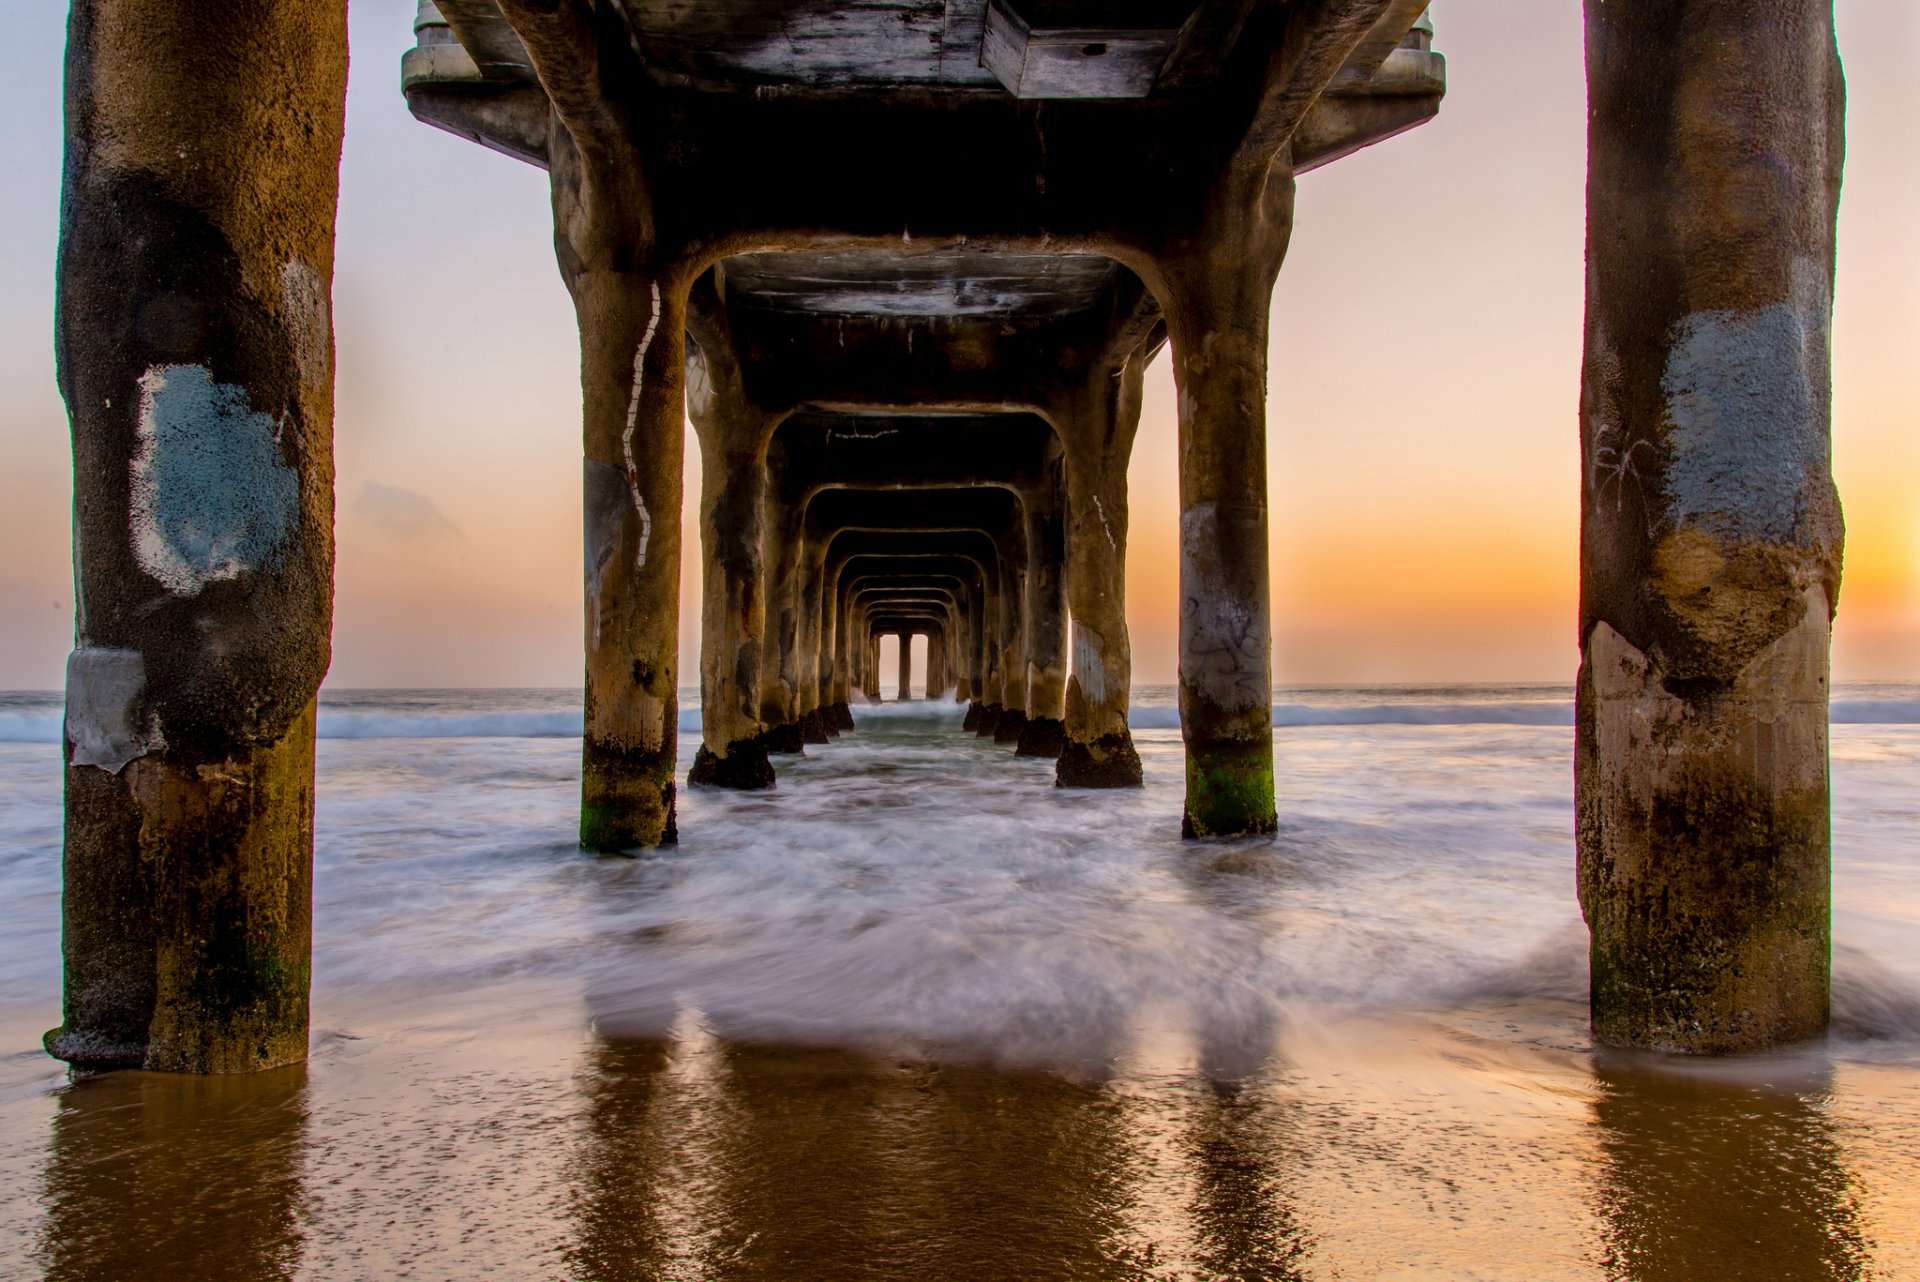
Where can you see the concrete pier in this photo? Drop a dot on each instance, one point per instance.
(195, 346)
(1000, 264)
(905, 281)
(1710, 529)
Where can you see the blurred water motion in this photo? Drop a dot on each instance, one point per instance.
(917, 1014)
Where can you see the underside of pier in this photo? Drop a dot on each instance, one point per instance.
(905, 264)
(902, 264)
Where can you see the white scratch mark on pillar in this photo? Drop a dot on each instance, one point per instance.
(1102, 513)
(633, 415)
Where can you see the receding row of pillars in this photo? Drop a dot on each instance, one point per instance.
(195, 353)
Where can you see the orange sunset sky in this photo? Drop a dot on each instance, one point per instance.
(1423, 452)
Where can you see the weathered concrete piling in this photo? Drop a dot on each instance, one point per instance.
(1711, 533)
(196, 359)
(905, 280)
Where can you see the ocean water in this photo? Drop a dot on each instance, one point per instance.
(916, 1013)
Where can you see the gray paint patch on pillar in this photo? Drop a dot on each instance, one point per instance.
(108, 723)
(1747, 441)
(212, 498)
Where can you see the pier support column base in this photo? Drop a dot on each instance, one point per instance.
(989, 720)
(813, 727)
(1041, 737)
(626, 799)
(1704, 847)
(188, 911)
(1109, 762)
(971, 721)
(840, 717)
(786, 739)
(1009, 724)
(1229, 790)
(744, 767)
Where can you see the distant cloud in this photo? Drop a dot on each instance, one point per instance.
(402, 513)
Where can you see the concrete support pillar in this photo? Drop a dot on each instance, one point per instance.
(779, 656)
(1011, 659)
(844, 651)
(1099, 429)
(195, 348)
(732, 433)
(810, 644)
(995, 625)
(976, 693)
(906, 667)
(870, 676)
(829, 671)
(1045, 732)
(1216, 300)
(633, 375)
(960, 653)
(1711, 533)
(936, 675)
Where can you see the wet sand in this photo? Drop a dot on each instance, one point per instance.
(514, 1114)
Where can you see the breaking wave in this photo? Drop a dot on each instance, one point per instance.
(40, 722)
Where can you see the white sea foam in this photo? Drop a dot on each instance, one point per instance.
(43, 725)
(911, 887)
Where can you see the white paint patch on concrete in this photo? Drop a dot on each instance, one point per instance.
(306, 311)
(107, 720)
(1771, 727)
(1088, 667)
(211, 498)
(633, 417)
(1745, 395)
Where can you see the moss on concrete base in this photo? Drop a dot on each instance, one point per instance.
(1229, 790)
(626, 799)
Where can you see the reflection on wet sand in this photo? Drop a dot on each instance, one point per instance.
(165, 1176)
(707, 1160)
(1708, 1175)
(1244, 1224)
